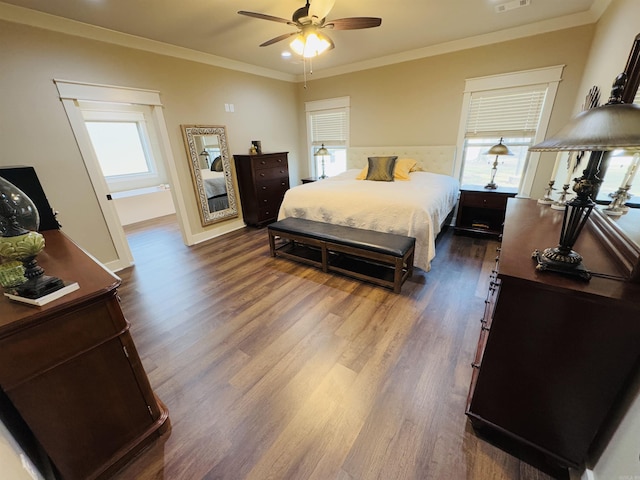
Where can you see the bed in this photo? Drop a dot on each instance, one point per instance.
(216, 190)
(416, 207)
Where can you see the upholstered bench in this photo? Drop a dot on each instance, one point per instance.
(385, 259)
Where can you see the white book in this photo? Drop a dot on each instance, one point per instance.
(46, 298)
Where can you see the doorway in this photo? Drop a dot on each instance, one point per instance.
(89, 106)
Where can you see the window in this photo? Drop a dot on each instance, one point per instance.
(126, 156)
(328, 125)
(123, 145)
(512, 115)
(515, 107)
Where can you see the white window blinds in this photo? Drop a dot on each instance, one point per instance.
(512, 113)
(329, 127)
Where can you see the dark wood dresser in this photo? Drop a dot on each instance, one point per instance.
(555, 354)
(262, 181)
(72, 372)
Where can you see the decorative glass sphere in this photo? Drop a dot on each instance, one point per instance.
(26, 212)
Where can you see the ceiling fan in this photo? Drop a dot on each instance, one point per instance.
(309, 20)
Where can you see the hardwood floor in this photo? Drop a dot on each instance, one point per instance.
(275, 370)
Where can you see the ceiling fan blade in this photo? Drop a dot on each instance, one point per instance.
(353, 23)
(277, 39)
(321, 8)
(262, 16)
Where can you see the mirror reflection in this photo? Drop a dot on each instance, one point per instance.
(211, 172)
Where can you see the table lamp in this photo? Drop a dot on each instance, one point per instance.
(323, 153)
(497, 150)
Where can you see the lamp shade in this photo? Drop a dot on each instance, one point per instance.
(311, 44)
(322, 152)
(499, 149)
(600, 129)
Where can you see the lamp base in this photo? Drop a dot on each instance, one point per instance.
(39, 286)
(553, 260)
(491, 186)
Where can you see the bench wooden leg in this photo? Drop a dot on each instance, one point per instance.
(272, 244)
(397, 274)
(410, 259)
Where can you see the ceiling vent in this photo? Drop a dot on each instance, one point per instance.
(503, 7)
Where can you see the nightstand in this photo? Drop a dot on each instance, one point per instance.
(481, 211)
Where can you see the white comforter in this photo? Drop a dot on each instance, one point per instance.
(416, 207)
(214, 183)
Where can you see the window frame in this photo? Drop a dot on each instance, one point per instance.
(549, 76)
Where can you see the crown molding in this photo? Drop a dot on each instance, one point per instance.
(561, 23)
(33, 18)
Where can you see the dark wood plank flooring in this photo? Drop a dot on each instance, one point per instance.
(275, 370)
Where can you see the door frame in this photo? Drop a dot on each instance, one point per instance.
(70, 93)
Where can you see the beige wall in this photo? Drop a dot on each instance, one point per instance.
(419, 102)
(34, 129)
(612, 43)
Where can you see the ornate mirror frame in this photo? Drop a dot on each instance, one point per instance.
(190, 133)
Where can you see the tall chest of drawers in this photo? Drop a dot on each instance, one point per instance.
(262, 181)
(555, 354)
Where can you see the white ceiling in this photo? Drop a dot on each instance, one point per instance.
(410, 28)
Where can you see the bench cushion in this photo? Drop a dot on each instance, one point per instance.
(381, 242)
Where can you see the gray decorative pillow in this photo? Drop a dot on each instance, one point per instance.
(381, 169)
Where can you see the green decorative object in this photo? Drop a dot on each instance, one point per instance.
(12, 274)
(22, 246)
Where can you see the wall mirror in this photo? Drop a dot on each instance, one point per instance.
(208, 154)
(622, 234)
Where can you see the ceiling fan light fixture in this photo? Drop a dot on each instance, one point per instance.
(310, 44)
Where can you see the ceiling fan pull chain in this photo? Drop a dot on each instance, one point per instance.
(304, 71)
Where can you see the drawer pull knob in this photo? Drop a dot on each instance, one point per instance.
(264, 188)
